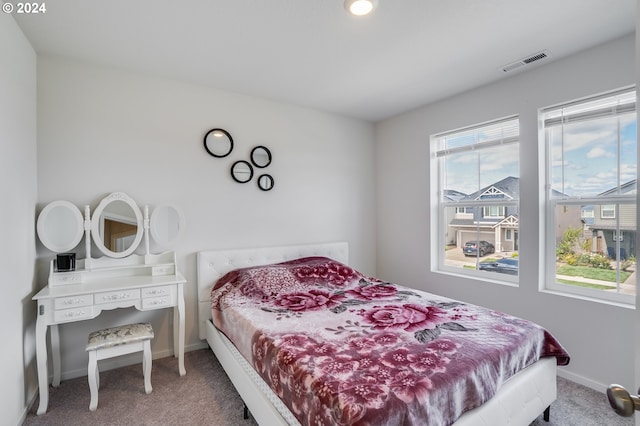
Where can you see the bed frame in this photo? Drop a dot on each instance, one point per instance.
(519, 401)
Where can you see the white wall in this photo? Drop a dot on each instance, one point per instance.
(103, 130)
(18, 190)
(599, 336)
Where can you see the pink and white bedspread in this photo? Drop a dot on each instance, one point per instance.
(340, 348)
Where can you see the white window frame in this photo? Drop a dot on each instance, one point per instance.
(439, 205)
(547, 218)
(610, 208)
(489, 209)
(587, 214)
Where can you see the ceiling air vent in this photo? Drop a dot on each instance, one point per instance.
(524, 61)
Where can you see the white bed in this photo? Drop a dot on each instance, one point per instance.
(520, 400)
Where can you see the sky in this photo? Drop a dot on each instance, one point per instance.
(468, 171)
(585, 158)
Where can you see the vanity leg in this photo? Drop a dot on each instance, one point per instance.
(41, 356)
(178, 330)
(55, 354)
(94, 379)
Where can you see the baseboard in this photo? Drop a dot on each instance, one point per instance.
(202, 344)
(581, 380)
(31, 399)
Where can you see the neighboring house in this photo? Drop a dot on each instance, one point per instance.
(572, 217)
(495, 224)
(499, 224)
(587, 214)
(452, 195)
(604, 224)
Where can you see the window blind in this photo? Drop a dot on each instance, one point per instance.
(503, 132)
(609, 105)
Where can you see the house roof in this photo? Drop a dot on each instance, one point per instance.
(508, 187)
(453, 195)
(625, 188)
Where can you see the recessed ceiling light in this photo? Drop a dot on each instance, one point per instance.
(360, 7)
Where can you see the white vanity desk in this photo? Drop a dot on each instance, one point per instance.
(146, 282)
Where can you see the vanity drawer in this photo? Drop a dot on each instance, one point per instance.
(157, 302)
(73, 301)
(161, 290)
(75, 314)
(117, 296)
(158, 297)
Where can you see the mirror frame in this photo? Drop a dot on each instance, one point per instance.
(238, 163)
(153, 225)
(42, 231)
(267, 151)
(228, 137)
(95, 225)
(264, 187)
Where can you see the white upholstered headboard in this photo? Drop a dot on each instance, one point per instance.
(213, 264)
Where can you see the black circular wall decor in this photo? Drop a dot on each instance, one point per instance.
(260, 156)
(218, 143)
(241, 171)
(265, 182)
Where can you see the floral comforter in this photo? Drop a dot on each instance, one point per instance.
(340, 348)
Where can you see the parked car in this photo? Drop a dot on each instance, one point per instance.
(503, 266)
(470, 248)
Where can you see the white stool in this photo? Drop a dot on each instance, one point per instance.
(116, 341)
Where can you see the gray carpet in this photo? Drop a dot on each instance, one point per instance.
(205, 396)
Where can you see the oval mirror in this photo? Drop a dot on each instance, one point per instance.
(60, 226)
(261, 156)
(116, 225)
(218, 142)
(265, 182)
(167, 224)
(241, 171)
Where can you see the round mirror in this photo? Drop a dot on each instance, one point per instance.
(116, 225)
(218, 142)
(265, 182)
(167, 224)
(241, 171)
(60, 226)
(260, 156)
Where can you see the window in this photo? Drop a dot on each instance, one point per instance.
(608, 211)
(587, 214)
(591, 184)
(476, 171)
(463, 210)
(494, 211)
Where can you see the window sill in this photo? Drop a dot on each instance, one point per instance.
(588, 298)
(475, 278)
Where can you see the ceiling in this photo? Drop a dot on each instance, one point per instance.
(312, 53)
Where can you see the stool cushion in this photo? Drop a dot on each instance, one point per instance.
(121, 335)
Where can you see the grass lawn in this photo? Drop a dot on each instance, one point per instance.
(593, 273)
